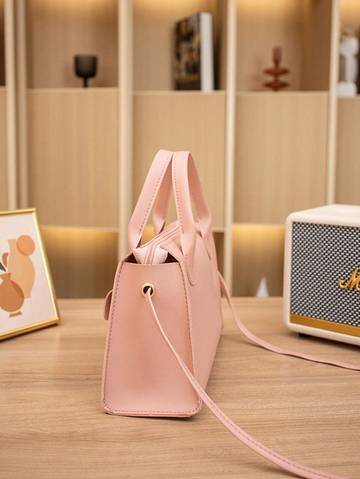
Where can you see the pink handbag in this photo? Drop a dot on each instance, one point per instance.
(165, 310)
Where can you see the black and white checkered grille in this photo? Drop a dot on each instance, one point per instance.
(321, 256)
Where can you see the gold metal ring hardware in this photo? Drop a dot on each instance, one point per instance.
(146, 287)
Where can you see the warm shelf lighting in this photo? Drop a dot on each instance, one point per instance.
(82, 260)
(268, 9)
(258, 253)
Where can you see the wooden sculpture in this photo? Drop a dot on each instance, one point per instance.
(276, 72)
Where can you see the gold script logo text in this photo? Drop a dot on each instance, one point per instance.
(353, 282)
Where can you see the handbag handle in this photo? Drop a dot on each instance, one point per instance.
(155, 186)
(187, 186)
(156, 191)
(194, 190)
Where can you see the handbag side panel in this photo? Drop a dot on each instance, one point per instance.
(206, 311)
(140, 376)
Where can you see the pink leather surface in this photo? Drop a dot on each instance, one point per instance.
(139, 378)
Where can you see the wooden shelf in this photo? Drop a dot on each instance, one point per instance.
(348, 98)
(178, 92)
(286, 93)
(89, 91)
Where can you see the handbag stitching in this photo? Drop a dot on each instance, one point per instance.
(214, 349)
(152, 198)
(104, 401)
(189, 317)
(178, 197)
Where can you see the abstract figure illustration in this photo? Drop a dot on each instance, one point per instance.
(11, 295)
(19, 274)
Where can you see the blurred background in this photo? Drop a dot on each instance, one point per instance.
(264, 93)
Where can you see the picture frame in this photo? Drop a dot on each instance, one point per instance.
(27, 294)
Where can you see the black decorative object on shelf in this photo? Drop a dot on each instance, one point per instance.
(85, 67)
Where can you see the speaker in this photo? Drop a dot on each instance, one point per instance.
(322, 272)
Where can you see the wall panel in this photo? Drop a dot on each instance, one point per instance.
(280, 155)
(73, 156)
(3, 161)
(177, 121)
(348, 151)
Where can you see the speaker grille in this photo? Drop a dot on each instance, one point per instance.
(321, 256)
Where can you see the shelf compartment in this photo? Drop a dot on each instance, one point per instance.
(82, 261)
(257, 253)
(280, 155)
(348, 151)
(301, 27)
(350, 15)
(58, 29)
(183, 122)
(72, 151)
(154, 23)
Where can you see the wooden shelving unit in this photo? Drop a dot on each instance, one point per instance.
(81, 155)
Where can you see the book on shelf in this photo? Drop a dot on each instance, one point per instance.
(194, 53)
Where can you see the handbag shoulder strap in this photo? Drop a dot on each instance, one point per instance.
(275, 349)
(237, 431)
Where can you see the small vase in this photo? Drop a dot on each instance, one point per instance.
(11, 295)
(85, 67)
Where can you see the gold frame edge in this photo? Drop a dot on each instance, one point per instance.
(325, 325)
(48, 322)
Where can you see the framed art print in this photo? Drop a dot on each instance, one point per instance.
(27, 297)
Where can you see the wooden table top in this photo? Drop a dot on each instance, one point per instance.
(52, 425)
